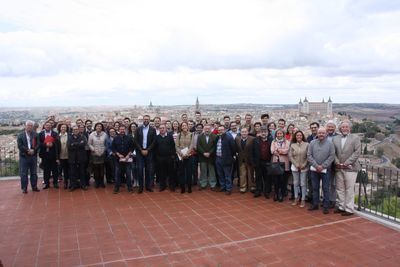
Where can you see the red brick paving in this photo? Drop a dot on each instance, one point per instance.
(98, 228)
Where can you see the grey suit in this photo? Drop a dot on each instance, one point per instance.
(346, 177)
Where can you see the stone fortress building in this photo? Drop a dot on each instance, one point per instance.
(315, 108)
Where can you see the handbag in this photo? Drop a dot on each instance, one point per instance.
(276, 168)
(362, 177)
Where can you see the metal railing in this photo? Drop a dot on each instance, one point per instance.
(379, 192)
(9, 162)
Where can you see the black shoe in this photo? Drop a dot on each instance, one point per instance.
(325, 211)
(116, 191)
(46, 187)
(72, 189)
(149, 190)
(222, 190)
(257, 194)
(56, 186)
(346, 213)
(275, 198)
(65, 186)
(266, 196)
(337, 210)
(84, 188)
(190, 190)
(172, 189)
(280, 199)
(332, 204)
(182, 190)
(161, 189)
(140, 190)
(103, 185)
(35, 189)
(130, 190)
(313, 207)
(24, 191)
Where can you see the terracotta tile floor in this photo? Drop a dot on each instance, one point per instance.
(98, 228)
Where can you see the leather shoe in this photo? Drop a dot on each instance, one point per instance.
(35, 189)
(46, 187)
(313, 207)
(346, 213)
(116, 191)
(161, 189)
(337, 210)
(149, 190)
(140, 190)
(326, 211)
(24, 191)
(257, 195)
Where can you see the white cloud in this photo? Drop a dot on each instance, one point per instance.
(88, 52)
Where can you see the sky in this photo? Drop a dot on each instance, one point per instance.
(128, 52)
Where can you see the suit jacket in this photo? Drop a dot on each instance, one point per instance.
(257, 151)
(245, 155)
(228, 148)
(77, 149)
(52, 152)
(22, 142)
(203, 147)
(350, 152)
(151, 139)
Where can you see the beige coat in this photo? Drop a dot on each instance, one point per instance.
(350, 152)
(283, 156)
(298, 155)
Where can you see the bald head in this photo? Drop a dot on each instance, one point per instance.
(321, 133)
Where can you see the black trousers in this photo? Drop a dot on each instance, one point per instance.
(64, 169)
(263, 180)
(77, 173)
(280, 184)
(110, 169)
(98, 174)
(165, 170)
(50, 169)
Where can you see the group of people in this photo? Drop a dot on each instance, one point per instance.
(263, 156)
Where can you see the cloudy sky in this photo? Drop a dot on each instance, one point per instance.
(85, 52)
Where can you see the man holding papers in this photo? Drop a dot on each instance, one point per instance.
(320, 155)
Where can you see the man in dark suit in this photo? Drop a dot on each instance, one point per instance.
(27, 145)
(244, 148)
(262, 159)
(48, 152)
(206, 152)
(165, 153)
(77, 158)
(225, 152)
(144, 142)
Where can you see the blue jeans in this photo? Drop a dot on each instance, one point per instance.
(125, 167)
(145, 166)
(25, 164)
(315, 180)
(224, 173)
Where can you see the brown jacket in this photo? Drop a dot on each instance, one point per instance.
(246, 154)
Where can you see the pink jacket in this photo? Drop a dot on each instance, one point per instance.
(283, 156)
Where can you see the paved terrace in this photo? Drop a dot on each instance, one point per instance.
(98, 228)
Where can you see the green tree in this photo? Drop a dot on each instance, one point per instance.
(379, 152)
